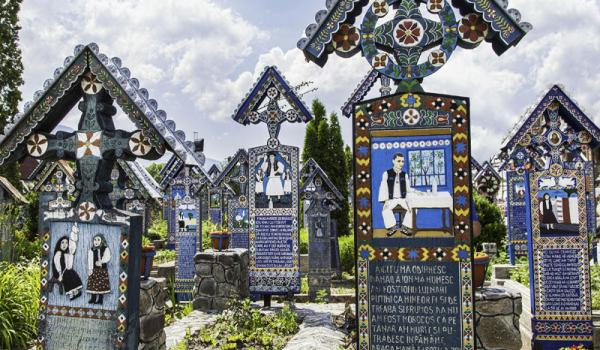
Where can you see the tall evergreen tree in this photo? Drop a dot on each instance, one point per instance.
(338, 171)
(323, 142)
(311, 138)
(11, 70)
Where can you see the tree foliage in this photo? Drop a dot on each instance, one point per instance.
(154, 170)
(493, 229)
(11, 71)
(323, 142)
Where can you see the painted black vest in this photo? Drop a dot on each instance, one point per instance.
(98, 257)
(390, 182)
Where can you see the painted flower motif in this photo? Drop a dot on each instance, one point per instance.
(413, 254)
(272, 92)
(346, 38)
(363, 151)
(363, 176)
(410, 101)
(458, 120)
(437, 58)
(462, 227)
(380, 60)
(435, 6)
(273, 115)
(88, 144)
(411, 116)
(90, 85)
(139, 144)
(362, 123)
(472, 28)
(460, 147)
(409, 32)
(462, 200)
(438, 103)
(253, 117)
(291, 115)
(460, 173)
(380, 8)
(385, 254)
(385, 106)
(86, 211)
(364, 228)
(363, 202)
(440, 254)
(37, 145)
(366, 252)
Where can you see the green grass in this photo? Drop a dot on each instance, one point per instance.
(19, 294)
(244, 327)
(164, 255)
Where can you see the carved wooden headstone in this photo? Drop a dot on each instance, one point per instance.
(90, 262)
(273, 194)
(185, 186)
(412, 163)
(323, 197)
(234, 181)
(135, 190)
(559, 260)
(556, 131)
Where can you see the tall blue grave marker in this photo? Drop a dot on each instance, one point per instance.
(559, 259)
(555, 131)
(234, 180)
(185, 185)
(273, 194)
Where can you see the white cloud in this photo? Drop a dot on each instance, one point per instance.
(194, 56)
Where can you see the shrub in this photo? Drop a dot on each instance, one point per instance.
(493, 228)
(19, 294)
(303, 241)
(346, 244)
(520, 274)
(158, 228)
(244, 327)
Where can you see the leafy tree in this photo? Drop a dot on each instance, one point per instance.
(493, 228)
(154, 170)
(337, 170)
(11, 70)
(323, 142)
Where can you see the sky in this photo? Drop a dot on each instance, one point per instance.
(199, 58)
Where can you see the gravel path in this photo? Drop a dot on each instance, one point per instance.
(317, 332)
(194, 321)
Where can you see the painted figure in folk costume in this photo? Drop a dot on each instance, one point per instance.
(287, 183)
(62, 272)
(392, 192)
(273, 169)
(547, 211)
(98, 258)
(259, 181)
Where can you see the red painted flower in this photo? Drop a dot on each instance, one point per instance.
(409, 32)
(346, 38)
(380, 61)
(472, 28)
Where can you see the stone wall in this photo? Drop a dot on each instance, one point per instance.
(220, 277)
(152, 314)
(497, 313)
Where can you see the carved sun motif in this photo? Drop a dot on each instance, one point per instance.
(90, 85)
(37, 144)
(86, 211)
(139, 144)
(88, 144)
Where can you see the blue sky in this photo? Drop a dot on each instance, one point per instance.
(199, 58)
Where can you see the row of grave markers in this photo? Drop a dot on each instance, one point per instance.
(413, 228)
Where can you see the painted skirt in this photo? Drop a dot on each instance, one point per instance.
(98, 282)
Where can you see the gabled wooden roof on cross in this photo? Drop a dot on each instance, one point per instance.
(60, 93)
(487, 168)
(572, 114)
(142, 179)
(271, 87)
(310, 172)
(46, 168)
(240, 157)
